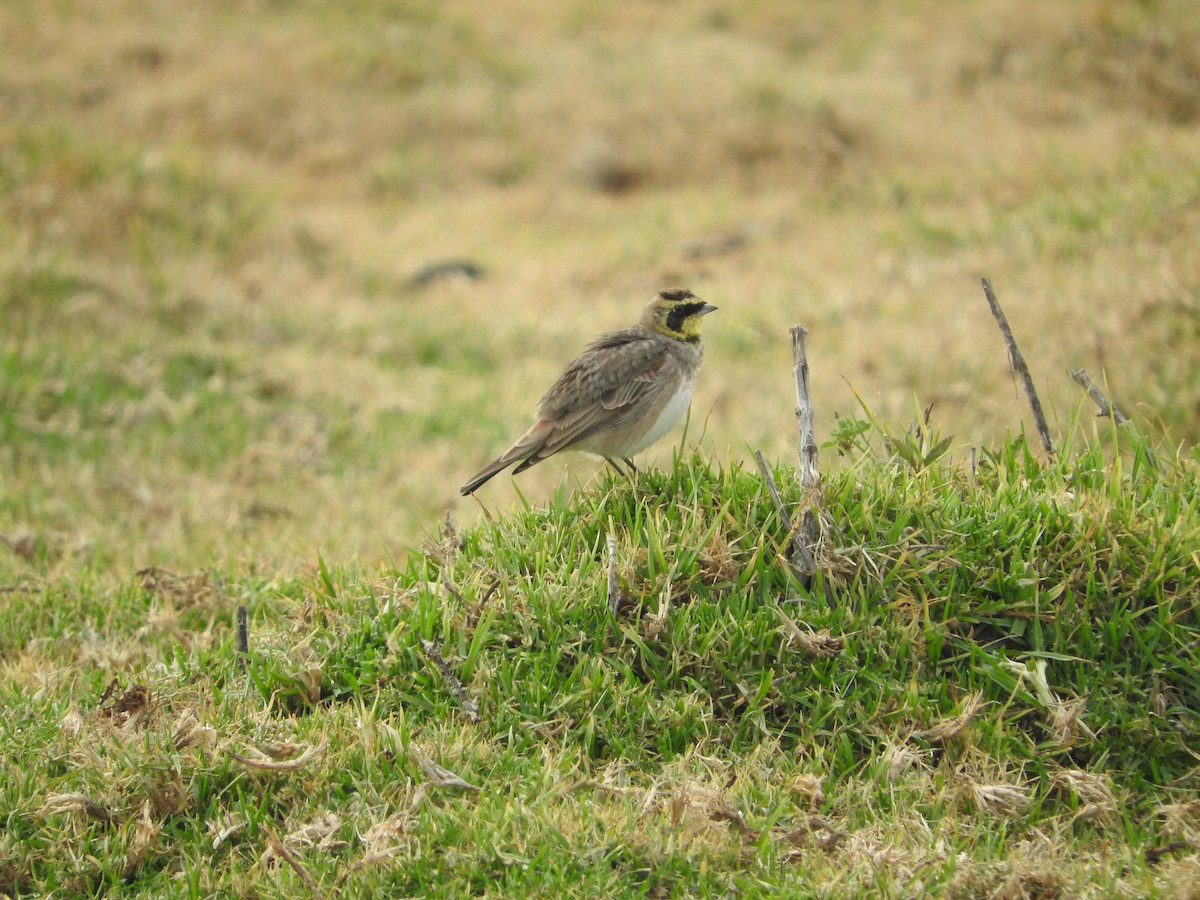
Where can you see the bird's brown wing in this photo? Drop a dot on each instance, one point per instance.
(616, 376)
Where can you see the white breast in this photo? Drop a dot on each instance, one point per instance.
(666, 420)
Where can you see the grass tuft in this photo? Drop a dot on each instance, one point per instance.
(1010, 657)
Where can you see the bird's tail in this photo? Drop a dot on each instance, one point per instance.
(524, 449)
(495, 467)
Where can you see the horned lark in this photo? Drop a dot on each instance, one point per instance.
(624, 392)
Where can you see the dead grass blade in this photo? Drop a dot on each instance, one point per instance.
(276, 850)
(955, 725)
(820, 643)
(79, 803)
(438, 776)
(257, 759)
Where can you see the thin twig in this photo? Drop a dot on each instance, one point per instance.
(469, 706)
(1155, 854)
(492, 588)
(800, 559)
(806, 438)
(451, 587)
(614, 585)
(475, 610)
(1106, 408)
(1018, 363)
(808, 530)
(242, 636)
(1098, 397)
(276, 848)
(772, 489)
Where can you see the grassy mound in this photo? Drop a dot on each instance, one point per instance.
(990, 689)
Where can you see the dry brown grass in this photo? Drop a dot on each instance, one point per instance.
(854, 167)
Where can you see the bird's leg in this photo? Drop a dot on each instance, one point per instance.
(632, 467)
(612, 462)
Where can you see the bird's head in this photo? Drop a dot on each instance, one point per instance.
(677, 313)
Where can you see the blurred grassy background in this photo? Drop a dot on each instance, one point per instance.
(213, 350)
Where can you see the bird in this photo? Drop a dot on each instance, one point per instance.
(626, 390)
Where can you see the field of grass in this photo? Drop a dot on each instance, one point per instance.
(222, 384)
(992, 690)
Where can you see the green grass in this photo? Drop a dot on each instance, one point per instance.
(987, 658)
(219, 386)
(117, 198)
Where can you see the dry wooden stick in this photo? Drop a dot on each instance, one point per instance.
(276, 848)
(1018, 363)
(808, 530)
(1098, 397)
(242, 637)
(614, 585)
(451, 587)
(1106, 408)
(469, 706)
(806, 439)
(800, 559)
(772, 488)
